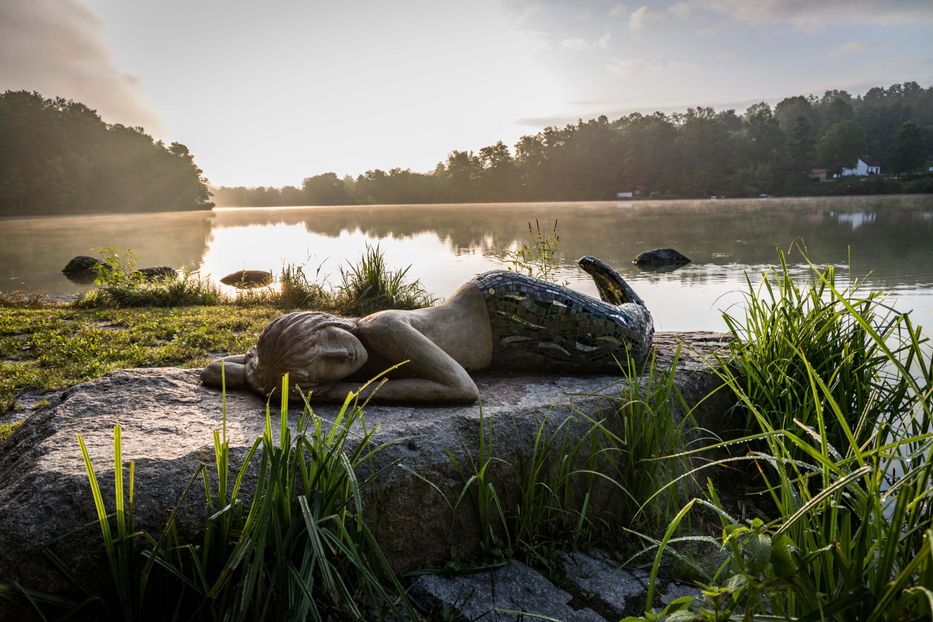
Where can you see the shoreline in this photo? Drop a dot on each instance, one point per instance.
(595, 202)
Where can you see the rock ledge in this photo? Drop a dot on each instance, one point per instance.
(168, 418)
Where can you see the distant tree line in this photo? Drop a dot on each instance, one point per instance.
(57, 156)
(698, 153)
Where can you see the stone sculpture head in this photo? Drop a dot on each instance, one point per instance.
(315, 349)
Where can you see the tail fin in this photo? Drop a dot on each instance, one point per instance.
(610, 284)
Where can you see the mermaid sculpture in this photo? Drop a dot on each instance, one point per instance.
(498, 320)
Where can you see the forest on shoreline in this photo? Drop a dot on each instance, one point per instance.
(58, 156)
(696, 154)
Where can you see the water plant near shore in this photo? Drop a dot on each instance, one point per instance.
(538, 258)
(120, 284)
(369, 286)
(366, 286)
(838, 391)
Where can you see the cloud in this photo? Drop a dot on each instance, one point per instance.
(576, 44)
(639, 19)
(682, 10)
(617, 10)
(56, 47)
(851, 48)
(633, 66)
(806, 13)
(536, 40)
(557, 120)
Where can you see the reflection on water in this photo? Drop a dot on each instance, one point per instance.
(857, 219)
(447, 244)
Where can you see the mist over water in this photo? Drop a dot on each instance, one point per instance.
(889, 237)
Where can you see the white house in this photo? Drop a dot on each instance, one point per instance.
(864, 166)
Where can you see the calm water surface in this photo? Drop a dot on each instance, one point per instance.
(891, 242)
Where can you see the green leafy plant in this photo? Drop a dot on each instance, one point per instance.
(538, 258)
(848, 337)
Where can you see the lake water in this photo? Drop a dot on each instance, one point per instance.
(890, 238)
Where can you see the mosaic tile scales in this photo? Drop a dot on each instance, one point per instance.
(539, 326)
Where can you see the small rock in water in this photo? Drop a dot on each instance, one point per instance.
(661, 258)
(81, 269)
(246, 279)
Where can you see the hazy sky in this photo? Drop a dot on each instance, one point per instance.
(267, 93)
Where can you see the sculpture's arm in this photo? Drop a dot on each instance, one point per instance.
(234, 372)
(440, 377)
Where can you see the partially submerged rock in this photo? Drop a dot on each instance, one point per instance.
(168, 417)
(84, 270)
(661, 258)
(81, 269)
(247, 279)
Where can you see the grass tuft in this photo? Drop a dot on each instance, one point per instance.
(369, 286)
(293, 548)
(7, 429)
(587, 481)
(837, 389)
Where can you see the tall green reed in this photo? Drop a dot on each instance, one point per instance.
(837, 389)
(295, 547)
(585, 481)
(369, 285)
(849, 337)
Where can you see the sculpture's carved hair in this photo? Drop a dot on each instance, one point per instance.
(287, 345)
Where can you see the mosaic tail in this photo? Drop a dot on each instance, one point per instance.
(612, 287)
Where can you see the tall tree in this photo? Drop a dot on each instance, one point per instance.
(463, 171)
(499, 179)
(706, 159)
(909, 152)
(325, 189)
(801, 145)
(790, 109)
(841, 145)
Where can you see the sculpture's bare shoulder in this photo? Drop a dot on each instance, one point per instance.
(459, 326)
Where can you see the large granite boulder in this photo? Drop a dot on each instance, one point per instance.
(167, 419)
